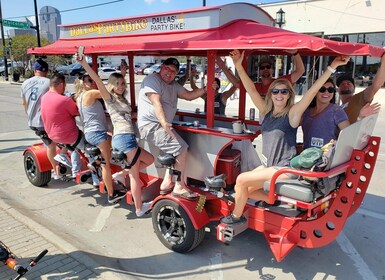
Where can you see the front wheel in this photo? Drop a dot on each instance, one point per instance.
(174, 228)
(34, 175)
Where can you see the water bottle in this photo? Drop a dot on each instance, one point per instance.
(252, 114)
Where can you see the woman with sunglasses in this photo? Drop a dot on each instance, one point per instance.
(95, 129)
(281, 118)
(323, 113)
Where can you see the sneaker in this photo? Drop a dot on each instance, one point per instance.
(119, 177)
(146, 206)
(116, 196)
(63, 160)
(56, 176)
(231, 220)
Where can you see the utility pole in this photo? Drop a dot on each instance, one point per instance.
(4, 48)
(36, 27)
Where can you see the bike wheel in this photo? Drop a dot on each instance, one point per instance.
(32, 171)
(174, 228)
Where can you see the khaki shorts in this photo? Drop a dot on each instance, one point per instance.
(154, 133)
(290, 175)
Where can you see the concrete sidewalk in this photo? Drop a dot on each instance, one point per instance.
(26, 239)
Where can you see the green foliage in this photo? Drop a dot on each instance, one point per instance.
(28, 74)
(20, 45)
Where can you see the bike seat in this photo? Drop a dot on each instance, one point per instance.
(216, 182)
(166, 160)
(118, 156)
(93, 151)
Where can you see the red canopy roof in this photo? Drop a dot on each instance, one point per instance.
(239, 34)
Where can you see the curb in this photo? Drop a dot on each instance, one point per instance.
(59, 243)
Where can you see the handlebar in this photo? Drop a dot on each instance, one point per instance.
(23, 270)
(39, 257)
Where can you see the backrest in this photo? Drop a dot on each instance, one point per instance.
(355, 136)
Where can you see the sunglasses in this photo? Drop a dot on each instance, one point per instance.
(329, 89)
(263, 67)
(88, 81)
(283, 91)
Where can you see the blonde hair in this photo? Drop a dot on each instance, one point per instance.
(113, 82)
(269, 105)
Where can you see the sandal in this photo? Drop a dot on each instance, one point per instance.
(168, 190)
(189, 195)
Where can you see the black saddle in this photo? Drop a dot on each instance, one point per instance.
(118, 156)
(215, 182)
(93, 151)
(166, 160)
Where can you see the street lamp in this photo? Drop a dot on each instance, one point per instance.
(4, 48)
(280, 18)
(10, 50)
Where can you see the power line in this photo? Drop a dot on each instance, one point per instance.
(74, 9)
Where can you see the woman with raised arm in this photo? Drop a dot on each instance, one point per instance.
(281, 118)
(95, 129)
(123, 139)
(324, 112)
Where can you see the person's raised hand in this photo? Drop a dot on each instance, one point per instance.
(368, 110)
(237, 57)
(340, 60)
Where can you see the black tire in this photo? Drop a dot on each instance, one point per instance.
(37, 178)
(174, 228)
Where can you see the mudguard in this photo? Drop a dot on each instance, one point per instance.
(194, 209)
(40, 152)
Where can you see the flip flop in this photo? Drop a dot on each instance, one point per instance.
(189, 195)
(168, 190)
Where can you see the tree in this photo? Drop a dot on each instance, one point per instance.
(20, 46)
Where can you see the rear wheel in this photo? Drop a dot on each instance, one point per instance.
(32, 171)
(174, 228)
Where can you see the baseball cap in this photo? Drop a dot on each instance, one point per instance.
(307, 158)
(344, 77)
(172, 61)
(266, 60)
(40, 65)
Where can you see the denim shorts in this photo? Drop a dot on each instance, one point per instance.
(96, 137)
(124, 142)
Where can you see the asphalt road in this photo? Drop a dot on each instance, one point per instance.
(127, 246)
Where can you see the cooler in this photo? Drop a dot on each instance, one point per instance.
(229, 163)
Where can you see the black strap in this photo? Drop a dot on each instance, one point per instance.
(74, 145)
(135, 159)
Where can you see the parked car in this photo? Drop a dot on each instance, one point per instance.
(62, 69)
(76, 70)
(182, 71)
(17, 65)
(139, 70)
(105, 72)
(152, 69)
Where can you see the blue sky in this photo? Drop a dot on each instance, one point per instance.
(117, 8)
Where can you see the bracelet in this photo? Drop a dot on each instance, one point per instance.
(297, 52)
(331, 69)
